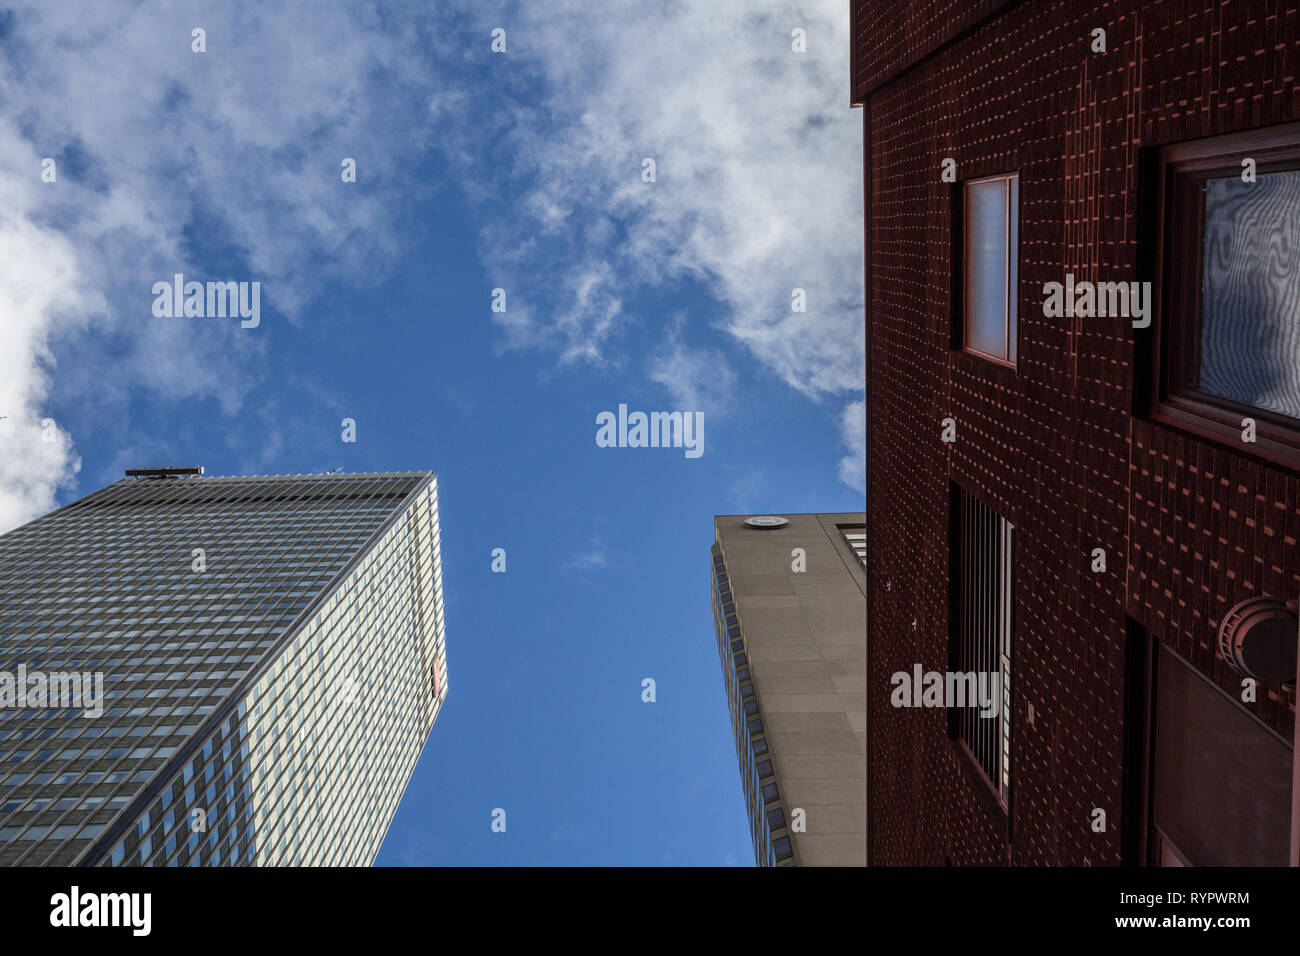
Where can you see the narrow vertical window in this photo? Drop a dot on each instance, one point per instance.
(982, 645)
(989, 247)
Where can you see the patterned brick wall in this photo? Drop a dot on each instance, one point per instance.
(1189, 527)
(888, 36)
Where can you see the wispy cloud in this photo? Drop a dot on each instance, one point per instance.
(174, 161)
(758, 182)
(698, 379)
(588, 560)
(853, 466)
(161, 156)
(747, 491)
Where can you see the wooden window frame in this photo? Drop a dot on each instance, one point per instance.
(1182, 169)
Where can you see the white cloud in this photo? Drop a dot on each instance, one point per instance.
(699, 380)
(588, 560)
(759, 179)
(157, 147)
(160, 148)
(853, 466)
(39, 287)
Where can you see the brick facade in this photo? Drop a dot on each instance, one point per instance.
(1058, 446)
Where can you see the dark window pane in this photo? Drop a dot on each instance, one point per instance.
(1222, 779)
(1250, 292)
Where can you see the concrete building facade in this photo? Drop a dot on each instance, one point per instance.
(789, 608)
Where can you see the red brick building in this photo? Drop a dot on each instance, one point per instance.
(1080, 498)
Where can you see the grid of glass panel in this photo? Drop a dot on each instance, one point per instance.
(768, 827)
(110, 583)
(310, 767)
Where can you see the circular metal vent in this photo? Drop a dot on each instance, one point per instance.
(1258, 639)
(767, 521)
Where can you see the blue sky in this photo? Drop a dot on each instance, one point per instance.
(476, 170)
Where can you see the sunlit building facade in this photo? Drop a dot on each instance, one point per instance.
(789, 615)
(271, 651)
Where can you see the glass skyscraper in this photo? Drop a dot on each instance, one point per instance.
(271, 657)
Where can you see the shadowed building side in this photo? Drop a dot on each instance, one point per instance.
(1075, 497)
